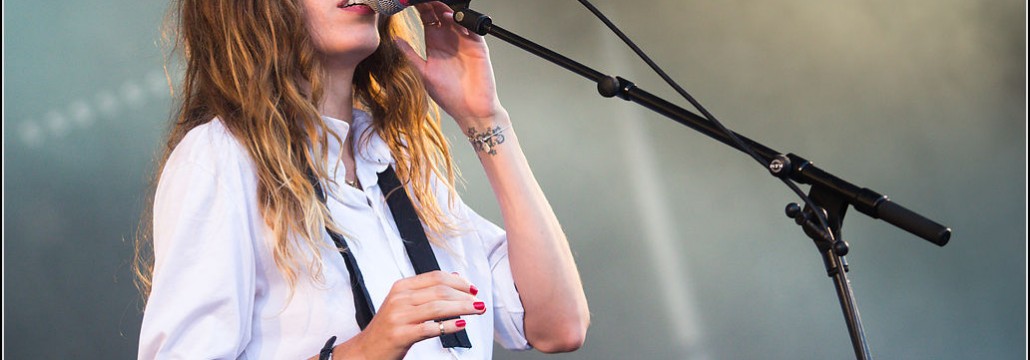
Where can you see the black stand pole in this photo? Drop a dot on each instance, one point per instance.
(830, 194)
(832, 249)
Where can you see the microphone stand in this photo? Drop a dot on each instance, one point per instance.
(830, 195)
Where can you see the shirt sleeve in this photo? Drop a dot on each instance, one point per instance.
(509, 315)
(202, 296)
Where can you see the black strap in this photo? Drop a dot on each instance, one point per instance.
(415, 243)
(364, 310)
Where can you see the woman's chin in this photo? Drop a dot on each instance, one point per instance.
(351, 54)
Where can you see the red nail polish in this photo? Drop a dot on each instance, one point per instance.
(479, 305)
(473, 290)
(460, 323)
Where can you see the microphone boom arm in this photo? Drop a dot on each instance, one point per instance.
(792, 166)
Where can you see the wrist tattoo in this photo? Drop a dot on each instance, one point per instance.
(487, 140)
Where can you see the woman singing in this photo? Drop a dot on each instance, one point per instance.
(295, 115)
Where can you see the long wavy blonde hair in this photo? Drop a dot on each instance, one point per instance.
(249, 63)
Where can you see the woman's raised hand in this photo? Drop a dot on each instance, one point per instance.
(409, 313)
(457, 70)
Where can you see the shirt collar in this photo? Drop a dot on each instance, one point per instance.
(371, 147)
(372, 154)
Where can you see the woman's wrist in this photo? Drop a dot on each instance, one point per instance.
(358, 349)
(486, 140)
(488, 133)
(497, 116)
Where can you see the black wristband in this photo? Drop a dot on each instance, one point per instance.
(327, 350)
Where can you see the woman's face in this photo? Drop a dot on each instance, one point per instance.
(342, 30)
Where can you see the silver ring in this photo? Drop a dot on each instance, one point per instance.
(441, 328)
(433, 23)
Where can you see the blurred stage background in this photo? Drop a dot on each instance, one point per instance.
(682, 243)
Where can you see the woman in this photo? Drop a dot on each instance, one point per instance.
(285, 99)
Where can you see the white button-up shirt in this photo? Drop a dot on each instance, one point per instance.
(217, 293)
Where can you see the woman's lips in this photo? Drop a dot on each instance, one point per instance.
(357, 8)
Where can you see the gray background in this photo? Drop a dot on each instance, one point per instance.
(683, 248)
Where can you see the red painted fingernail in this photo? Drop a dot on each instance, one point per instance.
(460, 323)
(473, 290)
(479, 305)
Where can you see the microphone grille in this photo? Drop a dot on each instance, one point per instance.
(384, 7)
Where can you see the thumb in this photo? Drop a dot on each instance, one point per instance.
(414, 58)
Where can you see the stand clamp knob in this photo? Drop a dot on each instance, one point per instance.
(780, 166)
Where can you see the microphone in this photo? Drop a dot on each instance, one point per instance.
(390, 7)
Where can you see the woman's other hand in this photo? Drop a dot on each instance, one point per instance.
(409, 313)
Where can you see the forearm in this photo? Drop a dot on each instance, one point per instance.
(542, 265)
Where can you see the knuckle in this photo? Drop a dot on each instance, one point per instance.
(396, 297)
(438, 275)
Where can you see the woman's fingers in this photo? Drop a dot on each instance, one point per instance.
(434, 295)
(444, 309)
(438, 293)
(435, 16)
(428, 15)
(418, 307)
(434, 10)
(438, 16)
(435, 278)
(431, 329)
